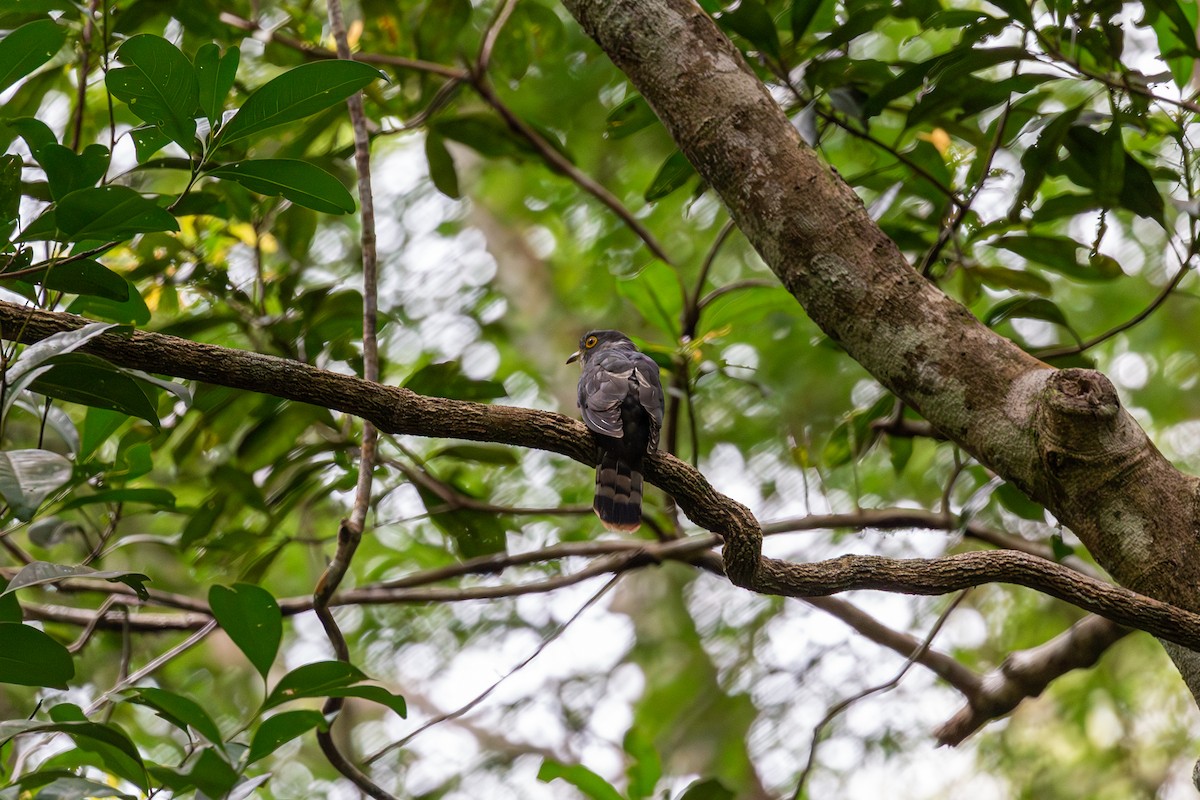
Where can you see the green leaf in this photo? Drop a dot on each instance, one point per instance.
(215, 74)
(46, 532)
(10, 195)
(1028, 308)
(711, 789)
(298, 181)
(103, 213)
(579, 776)
(1016, 279)
(1060, 254)
(753, 22)
(27, 48)
(645, 766)
(182, 712)
(91, 381)
(67, 171)
(480, 453)
(446, 379)
(656, 293)
(32, 361)
(29, 657)
(441, 166)
(280, 729)
(148, 140)
(160, 498)
(27, 477)
(62, 785)
(1019, 503)
(10, 609)
(251, 617)
(329, 679)
(106, 739)
(296, 94)
(482, 133)
(39, 573)
(631, 116)
(672, 174)
(84, 276)
(159, 85)
(133, 311)
(803, 14)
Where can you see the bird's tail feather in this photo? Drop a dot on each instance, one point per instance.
(618, 501)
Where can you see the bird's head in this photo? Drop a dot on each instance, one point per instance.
(593, 341)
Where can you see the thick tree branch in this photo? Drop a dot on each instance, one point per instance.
(1028, 672)
(396, 410)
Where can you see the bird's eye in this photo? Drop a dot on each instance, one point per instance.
(590, 341)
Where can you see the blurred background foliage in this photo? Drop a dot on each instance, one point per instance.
(1035, 160)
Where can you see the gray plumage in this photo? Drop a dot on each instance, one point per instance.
(621, 399)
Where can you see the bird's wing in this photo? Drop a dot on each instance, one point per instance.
(650, 394)
(602, 386)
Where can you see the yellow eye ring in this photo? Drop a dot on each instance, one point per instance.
(590, 341)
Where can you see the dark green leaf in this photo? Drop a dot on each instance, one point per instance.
(1060, 254)
(159, 85)
(91, 381)
(215, 74)
(49, 531)
(1028, 308)
(631, 116)
(645, 766)
(160, 498)
(147, 141)
(711, 789)
(579, 776)
(481, 453)
(1019, 503)
(276, 731)
(27, 477)
(108, 213)
(446, 379)
(296, 94)
(84, 276)
(106, 739)
(10, 195)
(67, 172)
(212, 774)
(298, 181)
(29, 657)
(61, 785)
(35, 132)
(27, 48)
(803, 14)
(753, 22)
(441, 166)
(330, 679)
(132, 311)
(901, 448)
(252, 619)
(32, 361)
(10, 609)
(182, 712)
(672, 174)
(1005, 278)
(484, 134)
(39, 573)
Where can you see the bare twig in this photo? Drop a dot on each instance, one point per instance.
(559, 163)
(351, 530)
(314, 51)
(883, 687)
(559, 631)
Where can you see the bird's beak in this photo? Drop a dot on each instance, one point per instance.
(574, 357)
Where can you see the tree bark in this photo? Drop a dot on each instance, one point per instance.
(1060, 436)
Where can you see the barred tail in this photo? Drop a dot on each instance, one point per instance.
(618, 501)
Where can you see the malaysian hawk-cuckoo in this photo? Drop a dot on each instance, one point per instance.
(621, 398)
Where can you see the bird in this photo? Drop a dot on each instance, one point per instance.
(621, 400)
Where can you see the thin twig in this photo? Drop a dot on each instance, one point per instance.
(314, 51)
(883, 687)
(351, 530)
(559, 163)
(559, 631)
